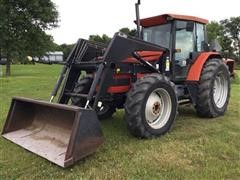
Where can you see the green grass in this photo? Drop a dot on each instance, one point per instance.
(237, 66)
(195, 148)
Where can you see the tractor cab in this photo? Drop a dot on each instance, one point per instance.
(184, 36)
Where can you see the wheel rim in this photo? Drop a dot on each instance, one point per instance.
(158, 108)
(220, 90)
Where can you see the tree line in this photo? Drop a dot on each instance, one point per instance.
(105, 39)
(23, 24)
(227, 32)
(22, 28)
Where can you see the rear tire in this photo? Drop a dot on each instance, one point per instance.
(151, 106)
(82, 87)
(213, 89)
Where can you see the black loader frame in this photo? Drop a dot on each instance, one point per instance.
(104, 63)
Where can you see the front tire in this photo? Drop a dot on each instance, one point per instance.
(213, 89)
(151, 106)
(82, 87)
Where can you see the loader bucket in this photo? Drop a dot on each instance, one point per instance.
(60, 133)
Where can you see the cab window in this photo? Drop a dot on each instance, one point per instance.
(200, 37)
(159, 35)
(184, 45)
(184, 41)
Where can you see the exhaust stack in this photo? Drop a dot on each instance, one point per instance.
(138, 19)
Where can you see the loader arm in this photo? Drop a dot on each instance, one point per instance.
(121, 47)
(83, 57)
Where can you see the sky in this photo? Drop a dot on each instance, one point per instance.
(81, 18)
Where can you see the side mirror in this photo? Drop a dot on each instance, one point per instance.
(190, 26)
(215, 46)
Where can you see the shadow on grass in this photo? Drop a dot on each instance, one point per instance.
(187, 111)
(116, 126)
(116, 131)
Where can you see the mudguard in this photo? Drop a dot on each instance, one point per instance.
(195, 70)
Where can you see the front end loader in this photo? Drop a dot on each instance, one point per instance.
(169, 64)
(64, 133)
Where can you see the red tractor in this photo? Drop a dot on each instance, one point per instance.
(170, 63)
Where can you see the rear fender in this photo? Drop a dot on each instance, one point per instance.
(231, 65)
(195, 70)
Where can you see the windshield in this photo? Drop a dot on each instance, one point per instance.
(158, 35)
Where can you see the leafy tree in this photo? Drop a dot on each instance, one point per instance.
(22, 28)
(101, 39)
(232, 30)
(226, 44)
(215, 30)
(66, 49)
(125, 30)
(106, 39)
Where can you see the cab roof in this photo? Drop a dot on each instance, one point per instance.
(162, 19)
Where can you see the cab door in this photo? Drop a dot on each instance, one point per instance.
(183, 47)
